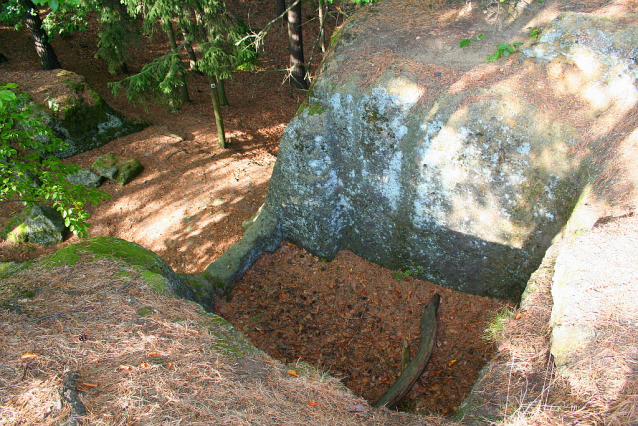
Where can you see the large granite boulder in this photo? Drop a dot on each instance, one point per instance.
(469, 173)
(75, 112)
(38, 225)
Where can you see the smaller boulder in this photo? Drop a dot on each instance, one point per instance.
(39, 225)
(119, 170)
(86, 177)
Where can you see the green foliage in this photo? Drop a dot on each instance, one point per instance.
(407, 272)
(221, 39)
(467, 41)
(156, 81)
(502, 49)
(55, 4)
(534, 32)
(30, 172)
(67, 17)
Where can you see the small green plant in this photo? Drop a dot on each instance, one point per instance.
(407, 272)
(534, 32)
(502, 49)
(497, 322)
(467, 41)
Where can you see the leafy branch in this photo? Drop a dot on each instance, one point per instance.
(29, 170)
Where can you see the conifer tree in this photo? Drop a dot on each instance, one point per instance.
(221, 44)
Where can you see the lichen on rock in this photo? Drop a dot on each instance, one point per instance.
(472, 182)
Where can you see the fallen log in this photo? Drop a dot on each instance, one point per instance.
(406, 380)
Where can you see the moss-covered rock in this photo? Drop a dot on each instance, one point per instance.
(39, 225)
(74, 111)
(119, 170)
(152, 268)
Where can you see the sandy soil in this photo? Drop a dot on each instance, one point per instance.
(348, 317)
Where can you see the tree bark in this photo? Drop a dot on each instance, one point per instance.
(406, 380)
(281, 7)
(183, 89)
(322, 24)
(192, 57)
(295, 42)
(48, 58)
(221, 90)
(219, 121)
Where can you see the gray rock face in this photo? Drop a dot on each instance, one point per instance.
(460, 189)
(471, 182)
(43, 226)
(87, 178)
(595, 311)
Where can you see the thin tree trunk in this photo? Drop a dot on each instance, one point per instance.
(192, 57)
(48, 58)
(322, 23)
(295, 41)
(219, 121)
(183, 90)
(221, 90)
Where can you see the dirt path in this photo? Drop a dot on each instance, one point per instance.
(348, 317)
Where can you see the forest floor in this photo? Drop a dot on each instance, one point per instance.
(348, 317)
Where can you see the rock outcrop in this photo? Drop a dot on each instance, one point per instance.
(75, 112)
(468, 173)
(38, 225)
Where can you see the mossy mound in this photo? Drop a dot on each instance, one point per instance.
(152, 268)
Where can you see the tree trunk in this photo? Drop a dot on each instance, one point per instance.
(219, 121)
(48, 58)
(183, 89)
(322, 24)
(281, 7)
(221, 90)
(192, 57)
(295, 42)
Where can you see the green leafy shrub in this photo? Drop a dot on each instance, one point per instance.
(502, 49)
(466, 41)
(28, 170)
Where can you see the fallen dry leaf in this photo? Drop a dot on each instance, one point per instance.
(29, 355)
(89, 385)
(451, 363)
(126, 367)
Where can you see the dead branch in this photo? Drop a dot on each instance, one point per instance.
(403, 384)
